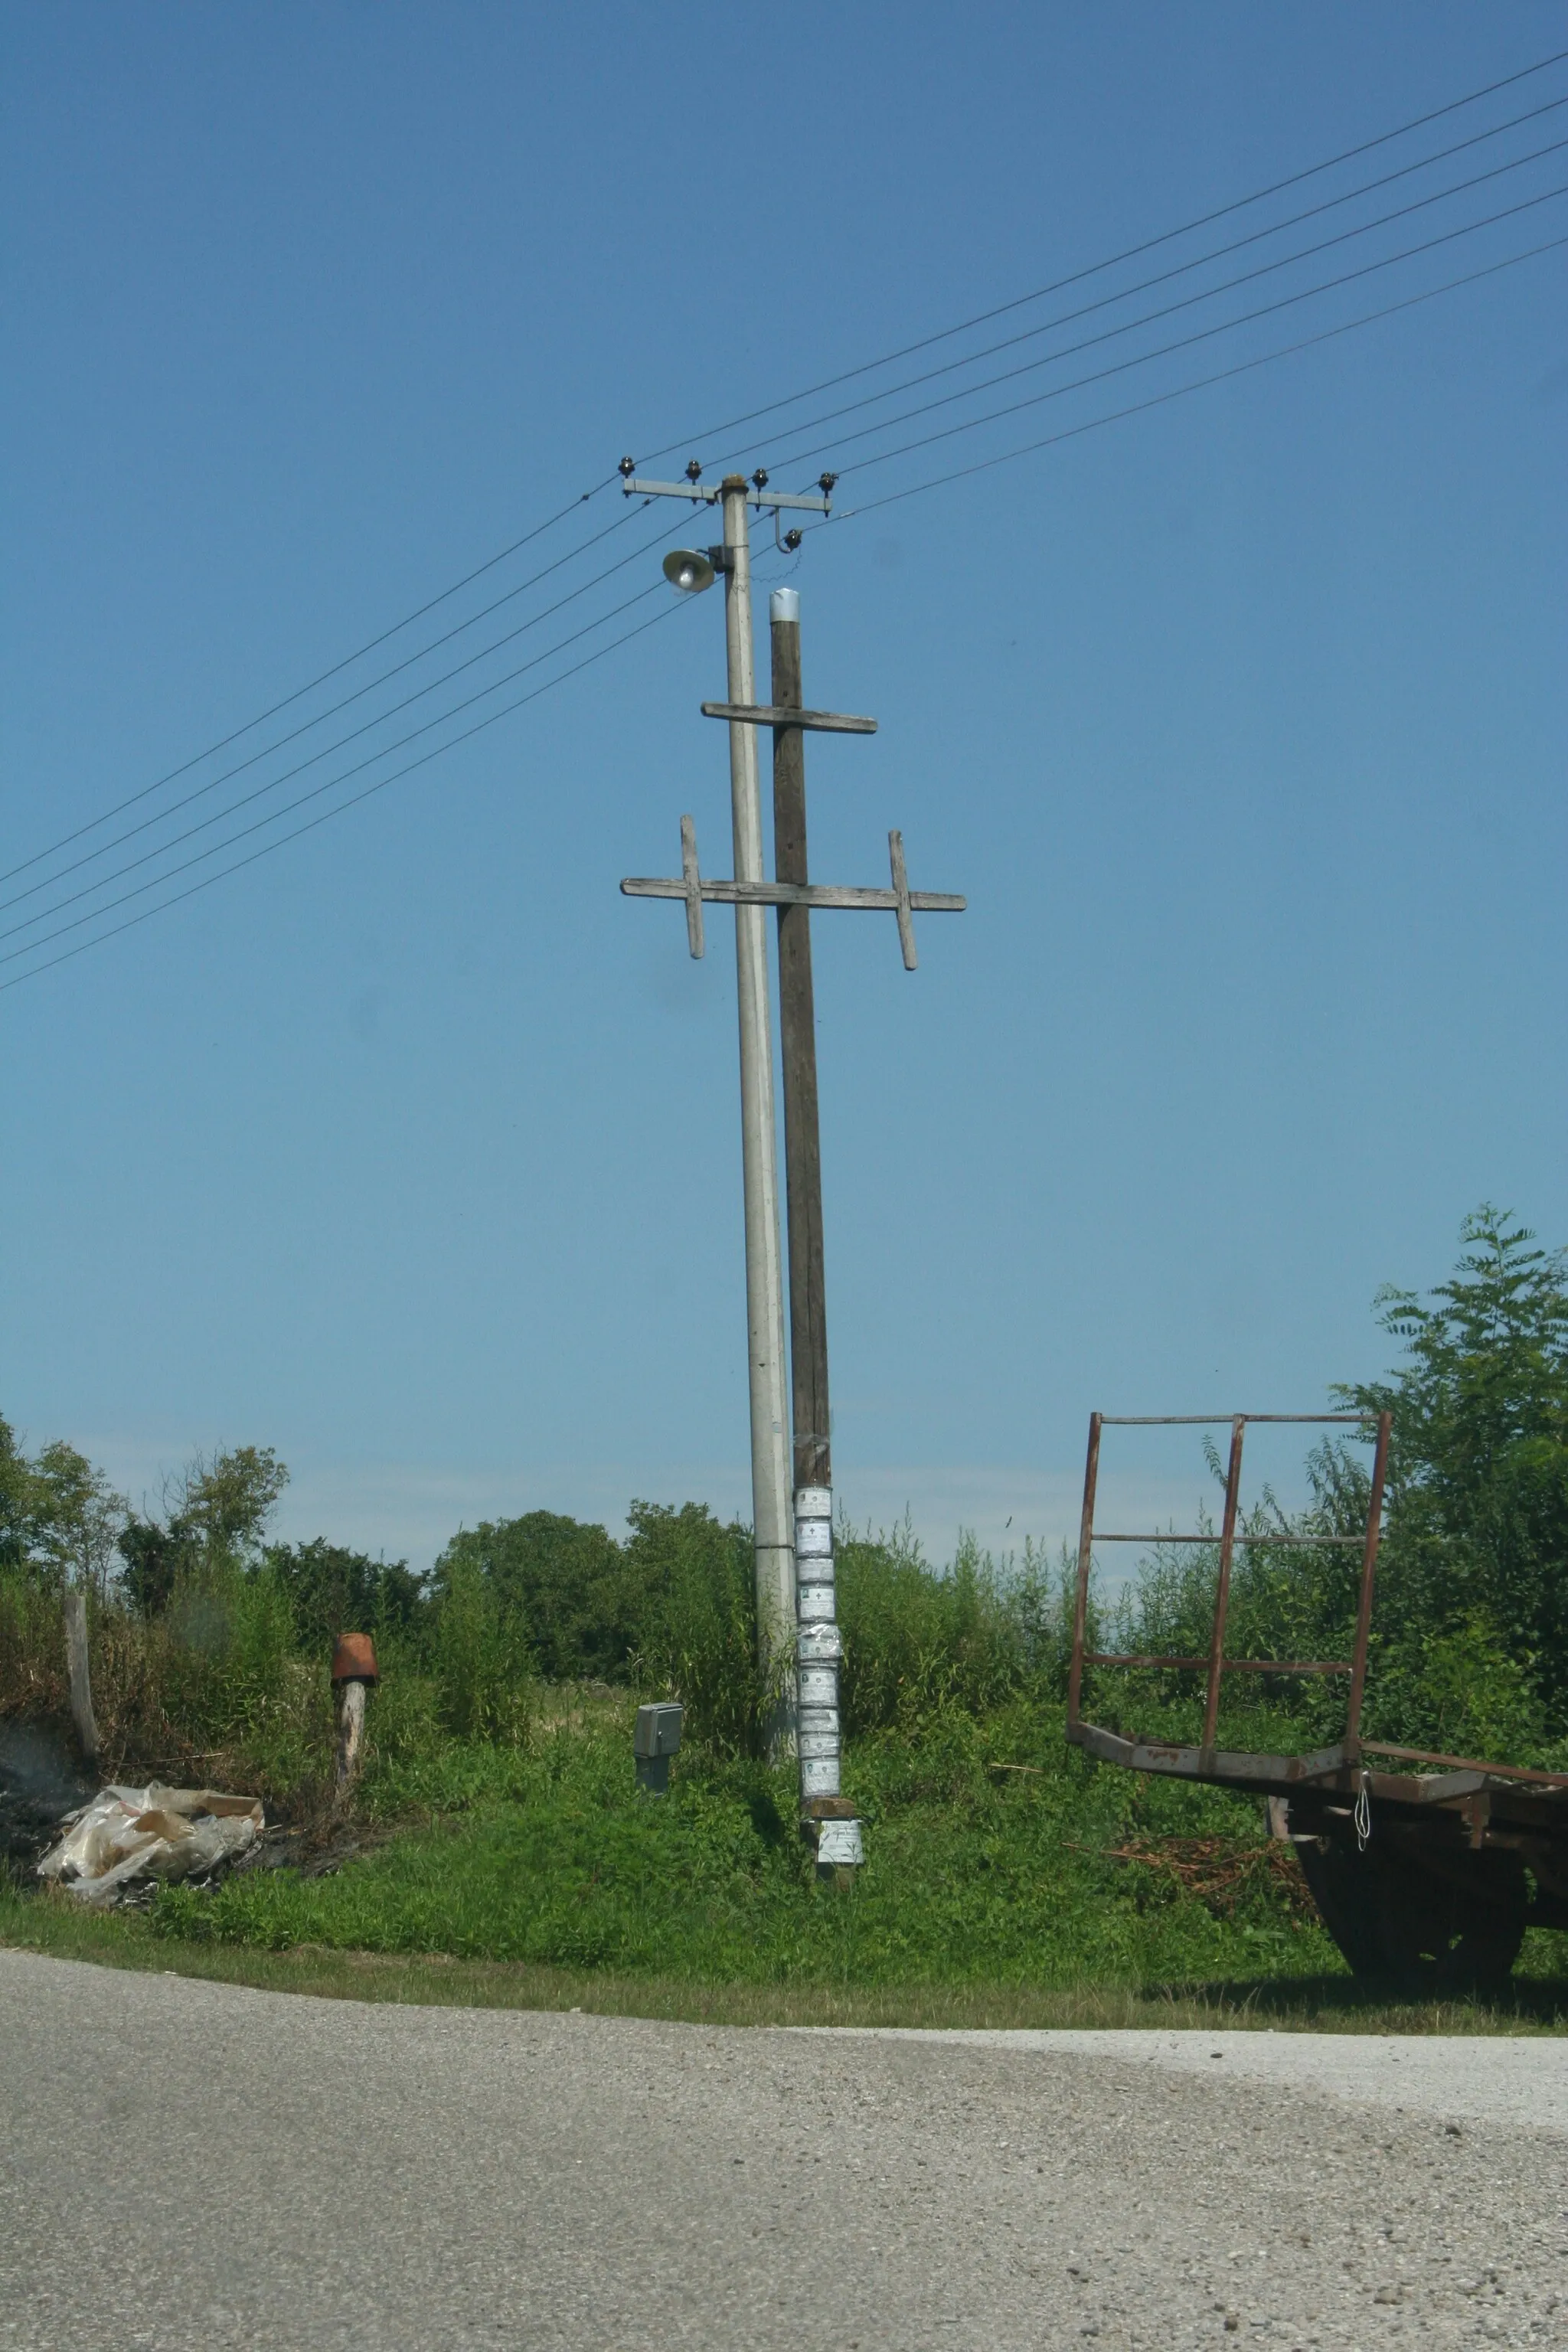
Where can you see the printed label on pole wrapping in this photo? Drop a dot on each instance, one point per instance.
(815, 1603)
(814, 1538)
(819, 1776)
(823, 1720)
(817, 1686)
(817, 1644)
(839, 1841)
(814, 1503)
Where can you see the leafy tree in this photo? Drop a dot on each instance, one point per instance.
(216, 1515)
(153, 1556)
(1477, 1509)
(567, 1581)
(15, 1498)
(1469, 1648)
(59, 1517)
(226, 1498)
(334, 1591)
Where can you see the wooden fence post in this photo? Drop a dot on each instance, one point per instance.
(80, 1674)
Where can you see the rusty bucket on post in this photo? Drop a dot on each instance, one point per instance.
(354, 1670)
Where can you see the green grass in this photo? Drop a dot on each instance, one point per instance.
(56, 1926)
(540, 1876)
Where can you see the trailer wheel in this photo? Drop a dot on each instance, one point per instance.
(1397, 1923)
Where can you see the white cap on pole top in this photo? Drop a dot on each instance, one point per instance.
(784, 605)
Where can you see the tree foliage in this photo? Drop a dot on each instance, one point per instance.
(1479, 1461)
(1469, 1646)
(60, 1519)
(566, 1581)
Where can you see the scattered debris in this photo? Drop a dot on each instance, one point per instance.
(130, 1835)
(316, 1848)
(1219, 1871)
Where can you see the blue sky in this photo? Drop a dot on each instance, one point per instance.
(413, 1149)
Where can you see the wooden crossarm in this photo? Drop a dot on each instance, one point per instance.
(769, 714)
(690, 886)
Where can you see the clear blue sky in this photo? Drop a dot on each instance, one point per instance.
(412, 1149)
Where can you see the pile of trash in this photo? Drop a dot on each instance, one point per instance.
(129, 1837)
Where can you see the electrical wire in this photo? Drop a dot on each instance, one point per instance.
(272, 815)
(1180, 391)
(1239, 205)
(1183, 342)
(216, 848)
(1128, 253)
(1158, 400)
(667, 613)
(172, 775)
(1184, 268)
(326, 751)
(1126, 327)
(771, 409)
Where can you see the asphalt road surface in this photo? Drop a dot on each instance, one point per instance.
(187, 2165)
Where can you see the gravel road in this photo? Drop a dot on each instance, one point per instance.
(187, 2165)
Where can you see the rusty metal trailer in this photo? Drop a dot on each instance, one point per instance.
(1425, 1879)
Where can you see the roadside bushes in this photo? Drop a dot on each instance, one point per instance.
(570, 1584)
(211, 1643)
(918, 1641)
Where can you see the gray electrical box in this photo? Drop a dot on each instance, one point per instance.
(655, 1741)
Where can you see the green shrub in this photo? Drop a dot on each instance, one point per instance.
(568, 1583)
(695, 1581)
(482, 1661)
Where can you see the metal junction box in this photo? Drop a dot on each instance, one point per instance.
(654, 1741)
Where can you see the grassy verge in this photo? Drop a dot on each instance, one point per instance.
(60, 1929)
(1009, 1882)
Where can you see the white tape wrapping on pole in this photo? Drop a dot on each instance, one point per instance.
(818, 1648)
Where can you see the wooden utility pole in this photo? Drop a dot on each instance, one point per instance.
(80, 1672)
(797, 1034)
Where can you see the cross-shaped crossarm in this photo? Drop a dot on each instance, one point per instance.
(900, 901)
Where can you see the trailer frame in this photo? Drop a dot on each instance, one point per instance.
(1425, 1875)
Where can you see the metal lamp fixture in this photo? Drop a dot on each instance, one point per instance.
(688, 569)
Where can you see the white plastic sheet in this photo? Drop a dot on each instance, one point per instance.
(126, 1834)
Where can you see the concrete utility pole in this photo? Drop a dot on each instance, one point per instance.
(770, 1515)
(826, 1815)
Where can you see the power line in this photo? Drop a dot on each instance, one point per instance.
(1183, 342)
(320, 679)
(665, 613)
(1128, 253)
(272, 815)
(892, 498)
(773, 408)
(1155, 401)
(890, 359)
(1199, 261)
(327, 749)
(1180, 391)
